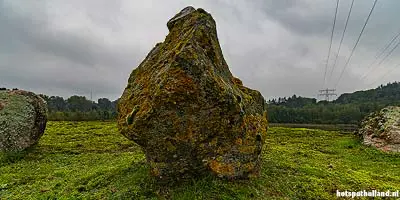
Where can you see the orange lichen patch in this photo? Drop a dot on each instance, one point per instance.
(237, 81)
(239, 141)
(224, 169)
(180, 82)
(254, 124)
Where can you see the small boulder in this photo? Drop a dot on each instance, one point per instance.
(23, 117)
(187, 111)
(382, 129)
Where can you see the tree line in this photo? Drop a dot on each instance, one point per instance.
(348, 108)
(78, 108)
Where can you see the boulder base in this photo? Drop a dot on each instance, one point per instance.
(382, 129)
(186, 110)
(23, 117)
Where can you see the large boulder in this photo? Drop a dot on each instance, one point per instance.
(185, 109)
(23, 117)
(382, 129)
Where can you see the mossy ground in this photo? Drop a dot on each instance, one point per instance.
(91, 160)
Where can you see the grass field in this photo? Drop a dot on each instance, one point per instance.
(327, 127)
(91, 160)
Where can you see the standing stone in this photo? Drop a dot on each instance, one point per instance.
(23, 117)
(185, 109)
(382, 129)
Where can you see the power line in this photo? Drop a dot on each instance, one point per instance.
(341, 40)
(330, 44)
(355, 46)
(387, 73)
(378, 55)
(379, 64)
(388, 45)
(370, 69)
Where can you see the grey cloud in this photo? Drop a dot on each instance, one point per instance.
(278, 47)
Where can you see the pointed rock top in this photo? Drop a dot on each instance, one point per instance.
(179, 16)
(184, 15)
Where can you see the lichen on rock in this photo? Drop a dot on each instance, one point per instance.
(23, 117)
(186, 110)
(382, 129)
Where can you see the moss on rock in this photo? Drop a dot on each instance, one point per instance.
(23, 117)
(186, 110)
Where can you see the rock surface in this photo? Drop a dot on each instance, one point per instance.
(382, 129)
(23, 117)
(185, 109)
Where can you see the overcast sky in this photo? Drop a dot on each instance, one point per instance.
(278, 47)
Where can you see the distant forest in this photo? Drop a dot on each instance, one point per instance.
(346, 109)
(78, 108)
